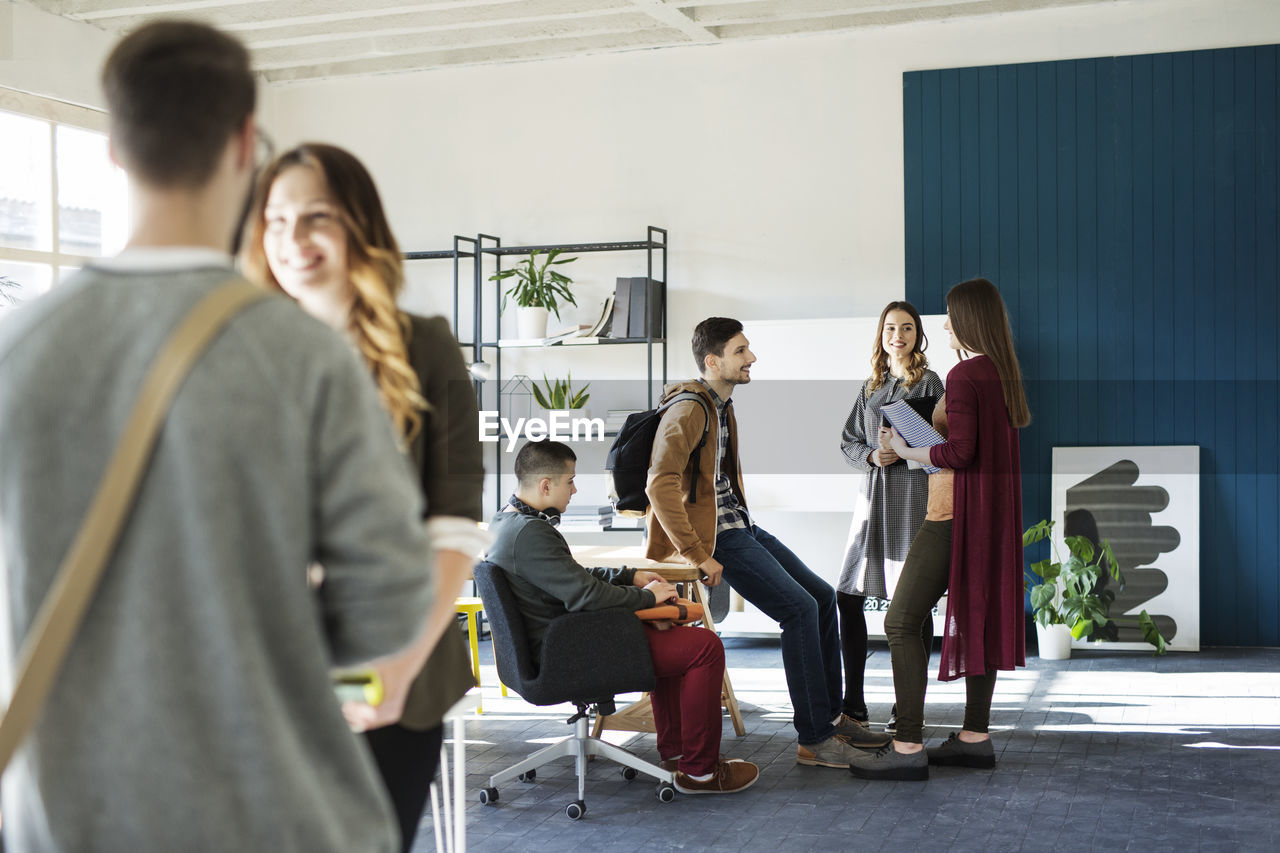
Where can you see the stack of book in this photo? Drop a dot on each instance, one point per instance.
(591, 333)
(582, 333)
(615, 419)
(586, 519)
(633, 300)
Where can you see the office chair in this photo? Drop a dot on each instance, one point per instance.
(587, 658)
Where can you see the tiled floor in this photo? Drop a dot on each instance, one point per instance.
(1108, 751)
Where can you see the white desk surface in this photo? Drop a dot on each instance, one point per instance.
(631, 556)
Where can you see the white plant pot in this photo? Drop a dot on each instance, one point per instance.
(1054, 642)
(531, 322)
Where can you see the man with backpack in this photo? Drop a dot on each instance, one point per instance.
(699, 515)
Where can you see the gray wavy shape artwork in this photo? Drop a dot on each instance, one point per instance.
(1108, 505)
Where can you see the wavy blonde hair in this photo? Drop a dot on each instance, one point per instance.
(378, 327)
(917, 362)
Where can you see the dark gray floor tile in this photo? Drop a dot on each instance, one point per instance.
(1075, 771)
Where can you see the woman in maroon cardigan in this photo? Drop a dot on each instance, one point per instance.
(969, 546)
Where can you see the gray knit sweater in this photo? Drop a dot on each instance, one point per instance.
(195, 710)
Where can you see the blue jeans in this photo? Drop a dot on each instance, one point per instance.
(766, 573)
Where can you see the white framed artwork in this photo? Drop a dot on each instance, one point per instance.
(1145, 501)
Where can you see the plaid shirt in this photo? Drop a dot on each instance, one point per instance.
(729, 513)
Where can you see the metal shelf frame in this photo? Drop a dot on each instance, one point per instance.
(455, 254)
(654, 246)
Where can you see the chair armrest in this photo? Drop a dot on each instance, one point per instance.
(593, 655)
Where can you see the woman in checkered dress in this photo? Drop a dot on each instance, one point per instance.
(891, 497)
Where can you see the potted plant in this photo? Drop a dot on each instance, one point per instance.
(1069, 600)
(537, 291)
(557, 395)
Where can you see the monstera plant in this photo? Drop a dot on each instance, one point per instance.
(1072, 594)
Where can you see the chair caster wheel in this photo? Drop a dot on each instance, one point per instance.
(629, 773)
(575, 810)
(488, 796)
(528, 776)
(666, 792)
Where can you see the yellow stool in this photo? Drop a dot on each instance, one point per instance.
(472, 606)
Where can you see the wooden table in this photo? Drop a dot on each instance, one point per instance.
(638, 716)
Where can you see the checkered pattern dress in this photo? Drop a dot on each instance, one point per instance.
(891, 501)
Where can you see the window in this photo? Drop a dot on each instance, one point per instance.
(62, 201)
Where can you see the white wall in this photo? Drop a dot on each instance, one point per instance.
(777, 165)
(47, 55)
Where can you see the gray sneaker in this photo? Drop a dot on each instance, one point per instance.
(835, 751)
(858, 734)
(958, 753)
(887, 763)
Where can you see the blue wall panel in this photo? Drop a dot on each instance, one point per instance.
(1127, 209)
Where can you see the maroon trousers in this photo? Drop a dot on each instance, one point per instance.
(689, 664)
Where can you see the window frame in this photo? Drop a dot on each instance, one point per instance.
(55, 113)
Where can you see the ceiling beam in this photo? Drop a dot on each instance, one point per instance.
(720, 13)
(671, 16)
(397, 25)
(364, 47)
(530, 51)
(312, 26)
(90, 10)
(250, 12)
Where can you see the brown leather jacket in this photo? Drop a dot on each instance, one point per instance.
(680, 530)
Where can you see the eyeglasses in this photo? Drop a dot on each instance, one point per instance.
(264, 151)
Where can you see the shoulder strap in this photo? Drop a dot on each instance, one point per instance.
(696, 455)
(58, 619)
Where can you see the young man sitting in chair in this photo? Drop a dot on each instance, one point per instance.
(548, 582)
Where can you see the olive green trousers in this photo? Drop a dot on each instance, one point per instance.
(922, 583)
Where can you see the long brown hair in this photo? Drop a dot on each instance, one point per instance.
(917, 362)
(375, 267)
(979, 321)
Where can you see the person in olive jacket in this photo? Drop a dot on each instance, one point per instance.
(319, 233)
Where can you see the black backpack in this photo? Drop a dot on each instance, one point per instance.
(629, 457)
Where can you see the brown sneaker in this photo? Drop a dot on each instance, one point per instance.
(835, 751)
(729, 778)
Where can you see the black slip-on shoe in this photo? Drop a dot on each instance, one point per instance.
(958, 753)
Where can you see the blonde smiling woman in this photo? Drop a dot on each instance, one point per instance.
(317, 231)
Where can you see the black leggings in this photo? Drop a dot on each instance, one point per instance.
(407, 762)
(853, 648)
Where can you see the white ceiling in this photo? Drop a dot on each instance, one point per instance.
(312, 39)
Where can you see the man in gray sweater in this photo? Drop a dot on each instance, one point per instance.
(195, 710)
(547, 582)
